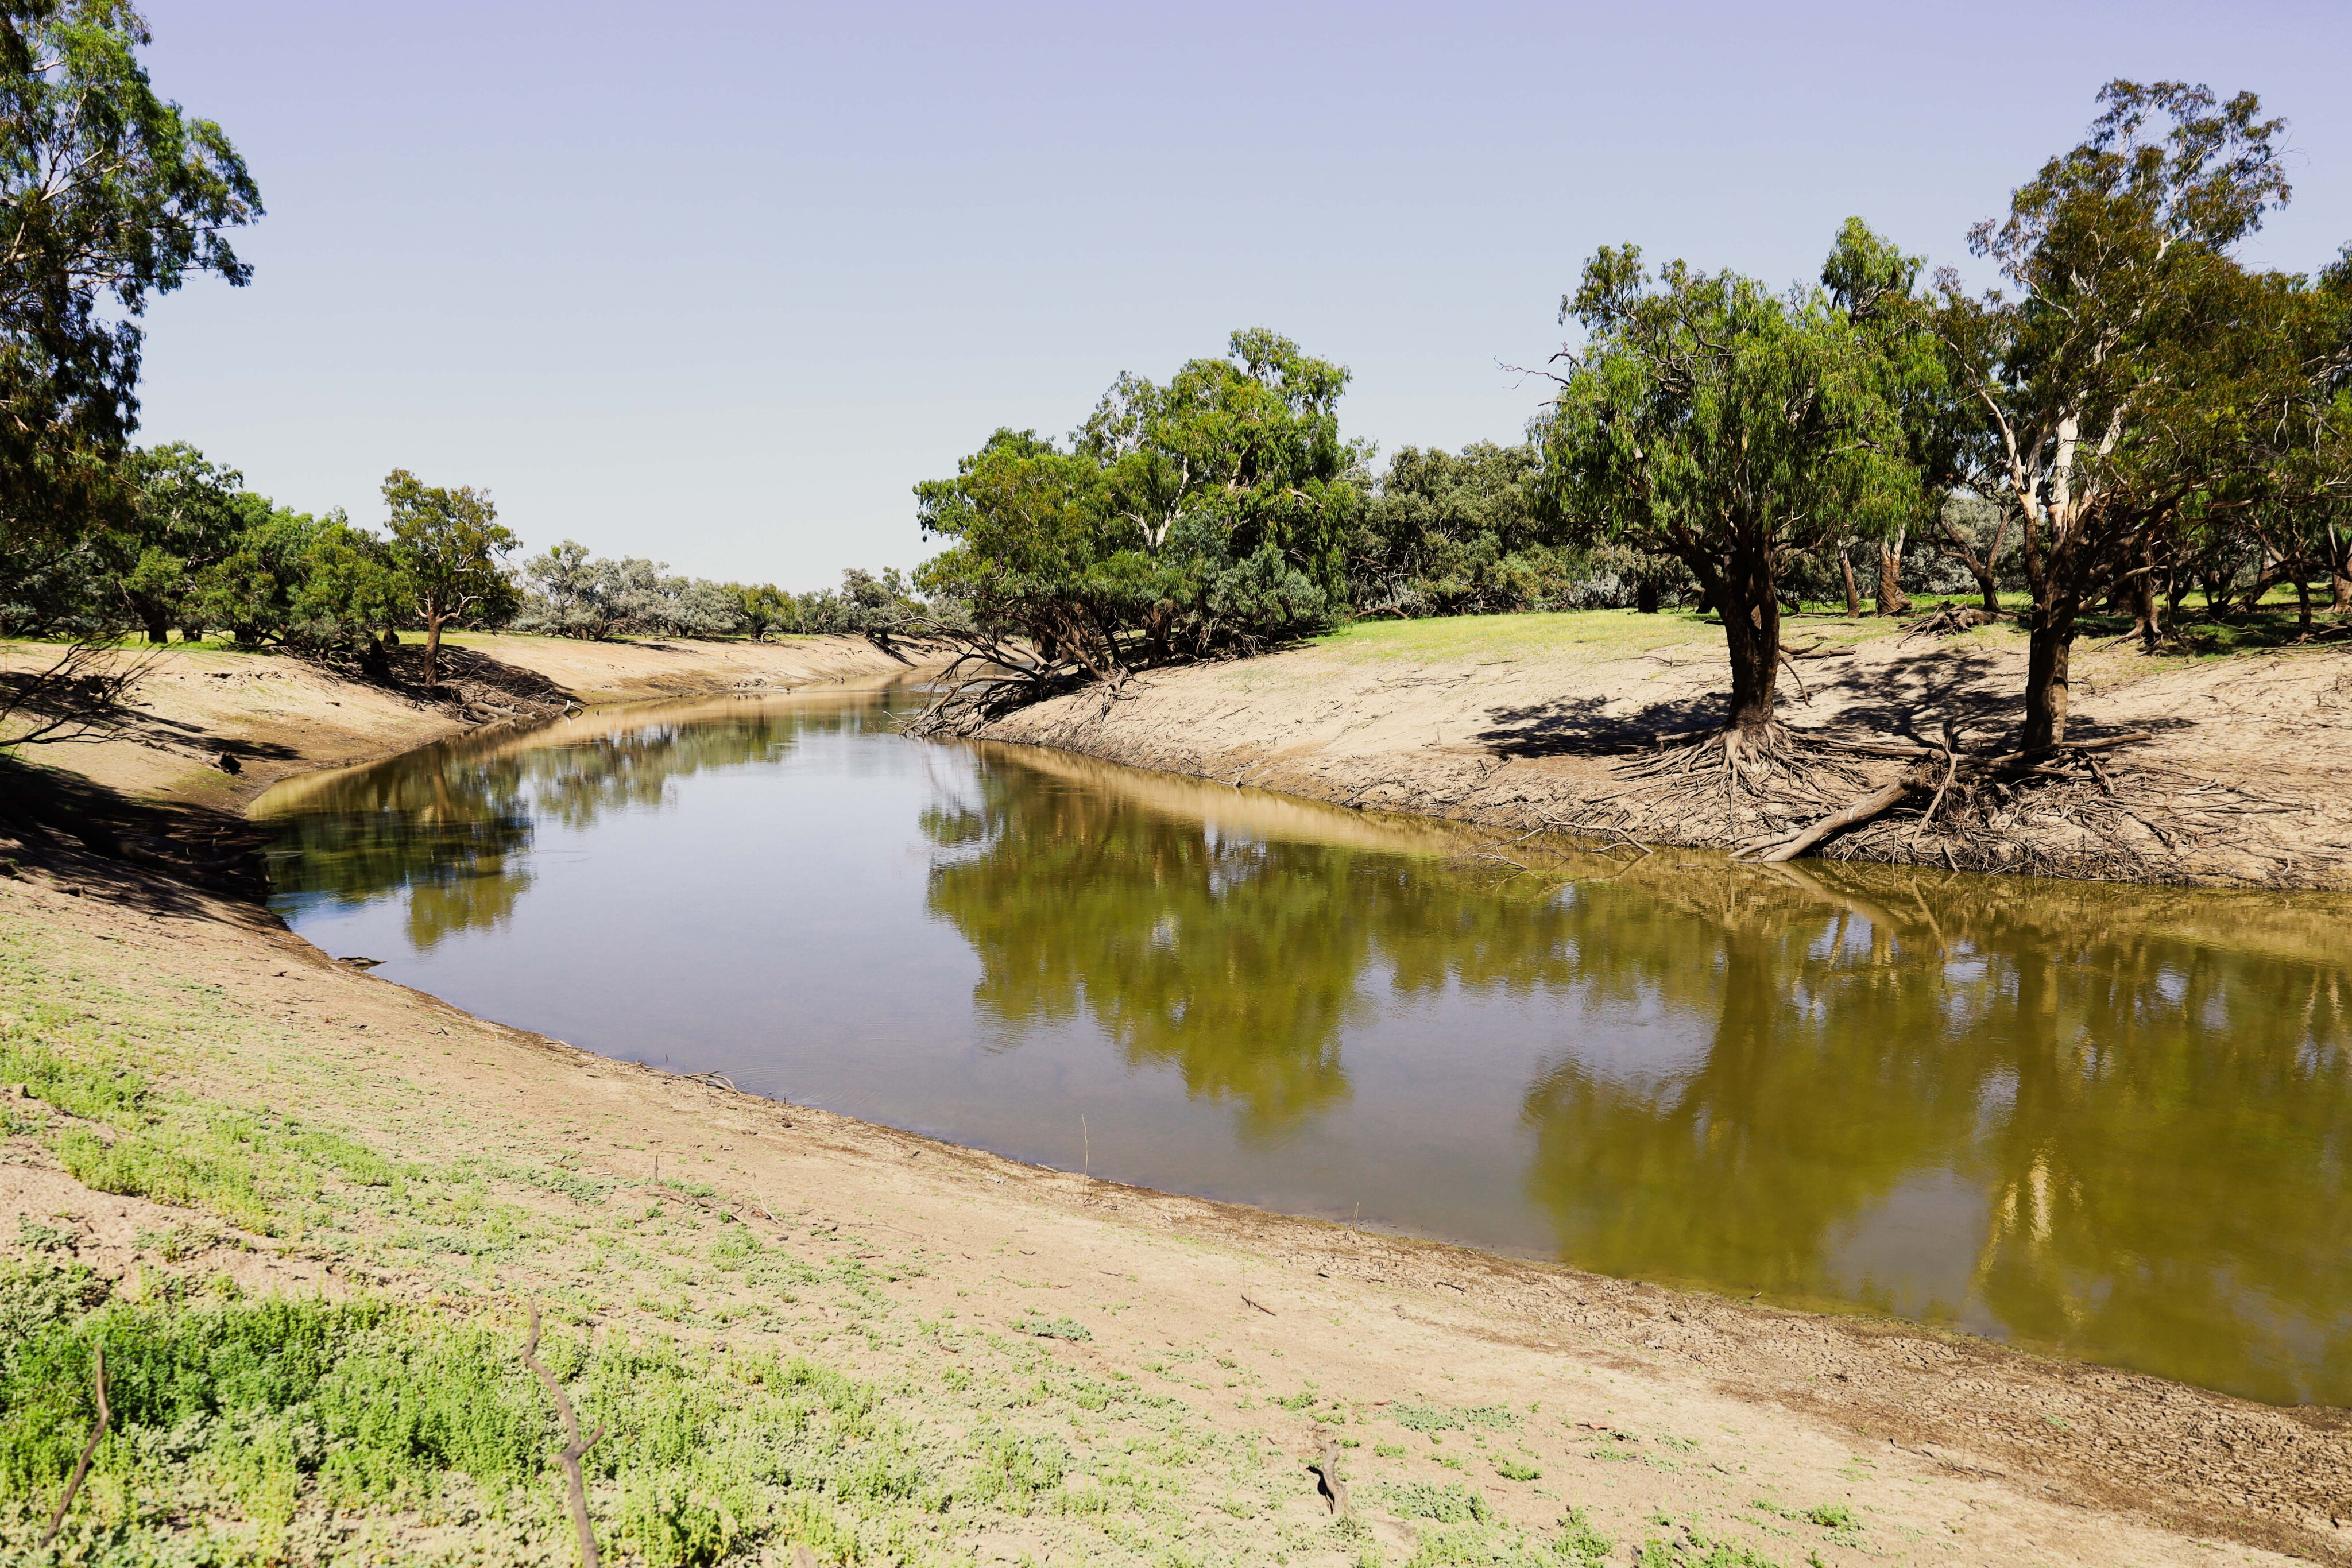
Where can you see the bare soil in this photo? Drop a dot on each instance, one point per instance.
(1568, 722)
(1940, 1445)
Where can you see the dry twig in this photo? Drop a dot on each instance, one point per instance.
(573, 1448)
(73, 1485)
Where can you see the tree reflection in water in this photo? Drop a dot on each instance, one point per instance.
(450, 826)
(2147, 1094)
(2122, 1112)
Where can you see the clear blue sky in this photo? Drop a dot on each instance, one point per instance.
(717, 283)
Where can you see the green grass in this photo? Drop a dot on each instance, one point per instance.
(1610, 633)
(1433, 1418)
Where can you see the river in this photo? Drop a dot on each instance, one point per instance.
(2110, 1123)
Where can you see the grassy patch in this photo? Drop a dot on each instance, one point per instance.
(1415, 1418)
(1450, 1503)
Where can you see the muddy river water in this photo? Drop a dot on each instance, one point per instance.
(2113, 1123)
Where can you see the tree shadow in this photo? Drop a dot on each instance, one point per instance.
(1584, 726)
(148, 856)
(1908, 697)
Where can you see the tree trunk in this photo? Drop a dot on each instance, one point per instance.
(1752, 634)
(2343, 604)
(431, 652)
(1891, 600)
(2301, 605)
(1853, 596)
(2048, 653)
(159, 629)
(1646, 597)
(2144, 596)
(1989, 586)
(191, 633)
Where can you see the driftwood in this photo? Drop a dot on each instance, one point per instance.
(57, 1520)
(1951, 621)
(1328, 1481)
(573, 1448)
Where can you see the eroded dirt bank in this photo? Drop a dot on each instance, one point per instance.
(622, 1197)
(274, 717)
(207, 732)
(1528, 722)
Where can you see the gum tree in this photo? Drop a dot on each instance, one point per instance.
(451, 548)
(1710, 419)
(108, 195)
(2099, 408)
(1208, 513)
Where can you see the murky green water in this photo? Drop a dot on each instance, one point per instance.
(2114, 1122)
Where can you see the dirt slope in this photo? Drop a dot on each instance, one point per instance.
(1525, 721)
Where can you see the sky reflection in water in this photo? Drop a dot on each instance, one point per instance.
(2112, 1122)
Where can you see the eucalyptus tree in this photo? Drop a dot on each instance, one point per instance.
(185, 514)
(1731, 427)
(2101, 404)
(109, 195)
(1210, 512)
(451, 548)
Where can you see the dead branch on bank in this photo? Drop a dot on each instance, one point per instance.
(991, 677)
(573, 1448)
(84, 694)
(1950, 622)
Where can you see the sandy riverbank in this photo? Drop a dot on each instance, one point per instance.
(1524, 721)
(1178, 1362)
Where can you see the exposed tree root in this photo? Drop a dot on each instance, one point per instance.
(1951, 621)
(990, 678)
(1774, 793)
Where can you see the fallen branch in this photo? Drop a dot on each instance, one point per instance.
(2105, 743)
(1261, 1306)
(1861, 811)
(1328, 1481)
(58, 1518)
(573, 1448)
(1951, 768)
(1951, 621)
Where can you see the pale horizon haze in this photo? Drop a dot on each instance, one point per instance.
(720, 292)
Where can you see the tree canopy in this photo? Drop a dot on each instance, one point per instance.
(109, 195)
(2124, 388)
(1729, 426)
(1207, 514)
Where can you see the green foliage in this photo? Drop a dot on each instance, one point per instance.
(1446, 1418)
(1579, 1542)
(1014, 1471)
(1059, 1328)
(1474, 533)
(98, 1094)
(450, 550)
(1208, 513)
(109, 195)
(1728, 427)
(2143, 395)
(1450, 1503)
(1512, 1469)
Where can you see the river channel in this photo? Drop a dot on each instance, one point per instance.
(2111, 1122)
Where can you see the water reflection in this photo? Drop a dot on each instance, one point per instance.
(449, 825)
(2108, 1121)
